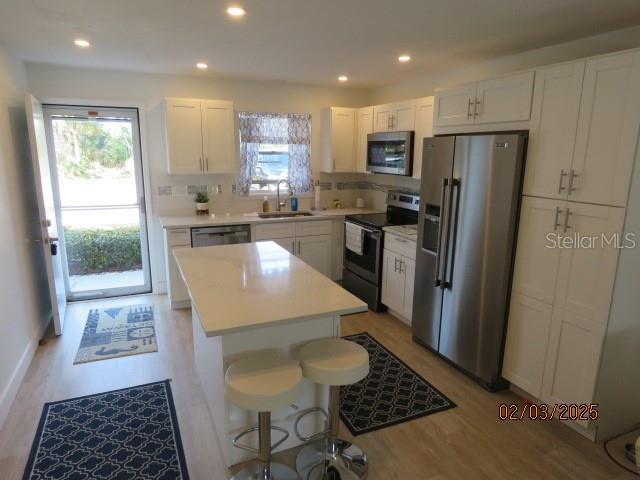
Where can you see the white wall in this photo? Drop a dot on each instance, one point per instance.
(24, 306)
(56, 82)
(425, 84)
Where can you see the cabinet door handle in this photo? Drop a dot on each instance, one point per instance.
(562, 175)
(401, 266)
(555, 222)
(299, 247)
(207, 163)
(476, 110)
(566, 220)
(572, 176)
(395, 264)
(293, 247)
(469, 114)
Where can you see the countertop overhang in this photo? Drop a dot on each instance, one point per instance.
(253, 285)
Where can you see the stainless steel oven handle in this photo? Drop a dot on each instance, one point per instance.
(445, 183)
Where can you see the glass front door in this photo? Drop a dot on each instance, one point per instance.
(97, 180)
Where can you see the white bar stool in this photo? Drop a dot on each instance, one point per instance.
(334, 362)
(263, 382)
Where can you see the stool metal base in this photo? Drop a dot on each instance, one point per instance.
(278, 472)
(315, 462)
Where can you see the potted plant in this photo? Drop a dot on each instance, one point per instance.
(202, 203)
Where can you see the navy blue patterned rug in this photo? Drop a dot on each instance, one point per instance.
(392, 393)
(124, 434)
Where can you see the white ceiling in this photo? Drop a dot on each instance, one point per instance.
(310, 41)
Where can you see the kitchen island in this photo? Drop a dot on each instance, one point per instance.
(251, 297)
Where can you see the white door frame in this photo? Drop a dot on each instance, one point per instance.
(133, 114)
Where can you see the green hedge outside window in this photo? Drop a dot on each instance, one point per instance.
(101, 250)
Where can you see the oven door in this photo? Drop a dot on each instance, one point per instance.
(390, 152)
(368, 265)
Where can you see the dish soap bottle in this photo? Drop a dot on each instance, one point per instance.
(265, 204)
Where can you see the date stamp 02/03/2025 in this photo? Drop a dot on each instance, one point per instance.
(542, 411)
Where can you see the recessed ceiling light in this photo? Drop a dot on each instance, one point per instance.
(202, 65)
(236, 11)
(343, 78)
(404, 58)
(80, 42)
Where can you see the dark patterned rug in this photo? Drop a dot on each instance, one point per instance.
(117, 332)
(124, 434)
(392, 393)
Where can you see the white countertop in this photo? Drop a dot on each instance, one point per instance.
(252, 285)
(242, 218)
(410, 232)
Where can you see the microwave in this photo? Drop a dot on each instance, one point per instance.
(390, 152)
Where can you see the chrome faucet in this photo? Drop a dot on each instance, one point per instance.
(280, 204)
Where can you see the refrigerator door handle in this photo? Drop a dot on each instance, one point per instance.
(451, 218)
(445, 183)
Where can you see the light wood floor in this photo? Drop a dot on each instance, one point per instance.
(467, 442)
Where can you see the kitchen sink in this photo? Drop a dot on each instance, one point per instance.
(284, 214)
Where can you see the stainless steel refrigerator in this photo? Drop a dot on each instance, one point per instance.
(470, 197)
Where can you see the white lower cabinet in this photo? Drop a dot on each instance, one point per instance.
(398, 275)
(526, 345)
(289, 244)
(312, 241)
(315, 251)
(176, 238)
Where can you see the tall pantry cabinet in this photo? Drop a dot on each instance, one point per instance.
(583, 139)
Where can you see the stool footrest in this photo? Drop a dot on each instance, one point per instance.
(237, 444)
(315, 436)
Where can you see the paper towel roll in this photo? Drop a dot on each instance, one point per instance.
(316, 201)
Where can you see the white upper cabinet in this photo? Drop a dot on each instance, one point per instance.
(200, 136)
(498, 100)
(394, 117)
(552, 134)
(339, 130)
(184, 135)
(424, 129)
(607, 130)
(365, 127)
(219, 146)
(454, 106)
(504, 99)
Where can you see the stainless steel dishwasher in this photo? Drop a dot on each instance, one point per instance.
(223, 235)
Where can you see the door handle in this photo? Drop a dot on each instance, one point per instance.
(207, 163)
(476, 111)
(566, 220)
(469, 114)
(562, 175)
(299, 247)
(572, 176)
(436, 281)
(555, 222)
(455, 183)
(395, 264)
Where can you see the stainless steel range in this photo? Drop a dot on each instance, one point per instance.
(362, 273)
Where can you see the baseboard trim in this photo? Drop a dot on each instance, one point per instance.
(9, 393)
